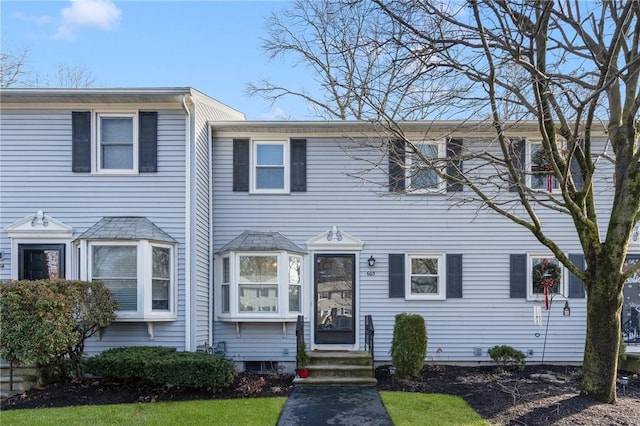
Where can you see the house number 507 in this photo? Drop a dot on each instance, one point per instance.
(371, 273)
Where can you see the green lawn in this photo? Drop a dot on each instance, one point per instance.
(250, 411)
(403, 407)
(408, 409)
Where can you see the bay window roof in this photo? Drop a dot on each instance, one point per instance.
(126, 228)
(261, 241)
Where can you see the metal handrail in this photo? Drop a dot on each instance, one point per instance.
(299, 336)
(368, 340)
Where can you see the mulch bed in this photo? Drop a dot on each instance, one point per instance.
(512, 398)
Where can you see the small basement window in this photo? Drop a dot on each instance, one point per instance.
(261, 367)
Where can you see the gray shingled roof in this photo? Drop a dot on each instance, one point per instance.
(261, 241)
(126, 228)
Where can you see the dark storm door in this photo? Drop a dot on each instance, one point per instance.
(334, 279)
(40, 261)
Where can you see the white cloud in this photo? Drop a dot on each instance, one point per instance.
(101, 14)
(38, 20)
(276, 113)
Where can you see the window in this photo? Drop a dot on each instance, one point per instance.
(422, 177)
(541, 176)
(544, 272)
(260, 286)
(426, 277)
(225, 284)
(117, 143)
(140, 275)
(114, 142)
(295, 281)
(269, 166)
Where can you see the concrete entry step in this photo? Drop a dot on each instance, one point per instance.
(338, 368)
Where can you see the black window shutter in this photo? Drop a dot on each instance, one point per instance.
(454, 276)
(81, 141)
(396, 165)
(147, 141)
(576, 173)
(454, 152)
(518, 157)
(396, 275)
(518, 276)
(298, 165)
(576, 286)
(241, 165)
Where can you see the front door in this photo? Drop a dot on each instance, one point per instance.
(41, 261)
(334, 279)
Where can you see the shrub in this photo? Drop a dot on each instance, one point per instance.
(409, 344)
(507, 357)
(47, 322)
(163, 366)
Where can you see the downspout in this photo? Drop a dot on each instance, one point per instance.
(187, 244)
(211, 263)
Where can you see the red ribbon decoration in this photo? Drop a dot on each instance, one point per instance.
(548, 168)
(547, 284)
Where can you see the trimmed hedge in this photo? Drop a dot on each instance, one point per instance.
(409, 344)
(163, 366)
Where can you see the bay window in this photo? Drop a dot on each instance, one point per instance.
(139, 274)
(257, 286)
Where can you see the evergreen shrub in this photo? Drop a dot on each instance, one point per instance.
(409, 344)
(163, 366)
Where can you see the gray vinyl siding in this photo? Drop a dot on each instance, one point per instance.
(387, 223)
(35, 174)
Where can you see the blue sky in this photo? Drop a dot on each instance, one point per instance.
(213, 46)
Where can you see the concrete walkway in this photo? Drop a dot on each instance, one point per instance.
(334, 405)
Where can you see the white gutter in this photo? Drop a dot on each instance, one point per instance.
(211, 263)
(187, 226)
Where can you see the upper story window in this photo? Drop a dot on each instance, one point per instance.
(420, 168)
(426, 277)
(422, 176)
(112, 143)
(541, 173)
(270, 166)
(545, 273)
(117, 143)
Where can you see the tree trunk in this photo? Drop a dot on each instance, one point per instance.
(600, 365)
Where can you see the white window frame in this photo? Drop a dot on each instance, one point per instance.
(529, 161)
(282, 314)
(410, 159)
(144, 270)
(96, 145)
(564, 281)
(442, 277)
(285, 165)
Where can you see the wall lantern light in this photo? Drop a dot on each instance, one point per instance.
(566, 311)
(372, 261)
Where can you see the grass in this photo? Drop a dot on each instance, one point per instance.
(429, 409)
(250, 411)
(404, 408)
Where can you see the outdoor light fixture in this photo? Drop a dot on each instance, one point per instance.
(566, 311)
(372, 261)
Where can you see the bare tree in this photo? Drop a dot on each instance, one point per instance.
(73, 77)
(359, 60)
(15, 72)
(570, 67)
